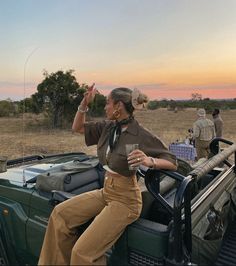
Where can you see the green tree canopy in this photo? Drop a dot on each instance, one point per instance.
(59, 95)
(56, 93)
(29, 105)
(7, 108)
(97, 106)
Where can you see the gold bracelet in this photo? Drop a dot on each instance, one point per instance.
(153, 163)
(83, 111)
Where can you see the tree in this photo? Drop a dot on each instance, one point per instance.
(97, 106)
(152, 105)
(29, 105)
(56, 93)
(7, 108)
(196, 96)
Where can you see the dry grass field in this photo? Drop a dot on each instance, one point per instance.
(25, 136)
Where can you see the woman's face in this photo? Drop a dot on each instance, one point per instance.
(110, 108)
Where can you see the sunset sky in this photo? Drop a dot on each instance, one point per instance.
(166, 48)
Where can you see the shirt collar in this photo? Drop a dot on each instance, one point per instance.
(133, 127)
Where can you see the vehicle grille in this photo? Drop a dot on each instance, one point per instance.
(136, 258)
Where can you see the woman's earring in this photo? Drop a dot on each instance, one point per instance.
(116, 114)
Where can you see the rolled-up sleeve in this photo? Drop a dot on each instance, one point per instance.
(93, 131)
(154, 147)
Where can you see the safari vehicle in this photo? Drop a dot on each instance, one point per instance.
(188, 216)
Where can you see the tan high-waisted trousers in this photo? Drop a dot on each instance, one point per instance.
(115, 206)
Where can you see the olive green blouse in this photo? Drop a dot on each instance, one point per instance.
(97, 133)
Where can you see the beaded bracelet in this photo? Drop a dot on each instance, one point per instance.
(83, 111)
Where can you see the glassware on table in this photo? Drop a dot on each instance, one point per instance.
(186, 141)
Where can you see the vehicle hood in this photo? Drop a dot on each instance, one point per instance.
(24, 173)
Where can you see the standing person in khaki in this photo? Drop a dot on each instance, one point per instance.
(119, 203)
(203, 133)
(218, 122)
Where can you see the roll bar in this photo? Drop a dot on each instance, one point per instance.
(182, 199)
(219, 157)
(178, 254)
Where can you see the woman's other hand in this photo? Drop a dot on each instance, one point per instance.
(138, 157)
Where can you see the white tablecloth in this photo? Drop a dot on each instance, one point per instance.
(183, 151)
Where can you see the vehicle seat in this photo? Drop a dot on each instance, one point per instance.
(166, 185)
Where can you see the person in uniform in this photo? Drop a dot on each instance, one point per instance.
(119, 202)
(203, 133)
(218, 122)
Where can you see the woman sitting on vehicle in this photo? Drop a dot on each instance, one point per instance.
(119, 203)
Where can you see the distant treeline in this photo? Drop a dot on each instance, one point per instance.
(59, 95)
(14, 108)
(208, 104)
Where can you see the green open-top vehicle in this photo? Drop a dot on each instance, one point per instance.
(188, 216)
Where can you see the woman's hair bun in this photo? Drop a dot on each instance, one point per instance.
(139, 100)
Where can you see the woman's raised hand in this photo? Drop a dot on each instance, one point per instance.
(90, 94)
